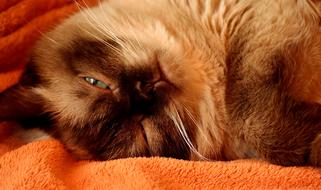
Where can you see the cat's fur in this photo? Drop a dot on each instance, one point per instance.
(189, 79)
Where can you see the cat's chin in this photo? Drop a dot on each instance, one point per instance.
(144, 133)
(147, 131)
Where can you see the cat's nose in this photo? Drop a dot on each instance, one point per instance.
(147, 90)
(144, 89)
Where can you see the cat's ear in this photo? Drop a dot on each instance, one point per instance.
(21, 101)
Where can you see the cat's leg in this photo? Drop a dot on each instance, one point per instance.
(290, 137)
(306, 80)
(274, 87)
(22, 107)
(265, 112)
(19, 106)
(18, 102)
(21, 103)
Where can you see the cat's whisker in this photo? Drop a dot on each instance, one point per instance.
(84, 2)
(107, 31)
(105, 43)
(175, 117)
(47, 37)
(80, 8)
(93, 22)
(190, 115)
(132, 45)
(101, 27)
(134, 33)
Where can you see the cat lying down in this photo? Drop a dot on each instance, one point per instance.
(196, 80)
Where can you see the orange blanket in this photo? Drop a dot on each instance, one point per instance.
(46, 165)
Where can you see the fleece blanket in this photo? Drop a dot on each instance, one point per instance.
(46, 165)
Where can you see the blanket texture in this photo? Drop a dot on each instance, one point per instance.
(46, 165)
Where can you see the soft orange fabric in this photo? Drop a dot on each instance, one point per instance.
(46, 165)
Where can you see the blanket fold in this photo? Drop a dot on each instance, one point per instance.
(46, 164)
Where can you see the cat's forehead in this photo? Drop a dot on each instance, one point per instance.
(127, 46)
(92, 54)
(110, 57)
(136, 32)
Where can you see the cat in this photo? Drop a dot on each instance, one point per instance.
(195, 80)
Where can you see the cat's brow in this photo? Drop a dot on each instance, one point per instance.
(93, 54)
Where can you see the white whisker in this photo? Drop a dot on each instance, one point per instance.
(101, 40)
(101, 27)
(109, 32)
(133, 33)
(47, 37)
(180, 126)
(190, 115)
(92, 21)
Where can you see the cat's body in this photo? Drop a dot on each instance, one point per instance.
(186, 79)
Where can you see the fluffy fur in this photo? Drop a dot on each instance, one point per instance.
(216, 80)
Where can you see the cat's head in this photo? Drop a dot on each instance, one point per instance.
(115, 84)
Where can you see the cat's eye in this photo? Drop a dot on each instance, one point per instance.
(97, 83)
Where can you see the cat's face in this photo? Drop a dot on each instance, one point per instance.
(120, 89)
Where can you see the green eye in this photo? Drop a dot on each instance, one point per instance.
(96, 83)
